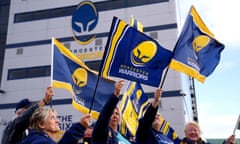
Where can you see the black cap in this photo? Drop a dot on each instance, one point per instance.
(23, 103)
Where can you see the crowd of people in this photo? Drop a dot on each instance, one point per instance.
(36, 124)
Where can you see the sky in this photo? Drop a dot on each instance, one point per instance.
(218, 98)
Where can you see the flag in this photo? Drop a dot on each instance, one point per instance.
(136, 24)
(132, 107)
(237, 126)
(167, 130)
(132, 55)
(238, 123)
(197, 52)
(70, 73)
(131, 115)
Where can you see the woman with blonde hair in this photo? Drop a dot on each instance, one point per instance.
(44, 125)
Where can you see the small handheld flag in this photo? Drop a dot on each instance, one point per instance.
(70, 73)
(133, 105)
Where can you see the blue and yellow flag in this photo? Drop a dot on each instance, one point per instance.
(167, 130)
(136, 24)
(133, 105)
(70, 73)
(132, 55)
(130, 112)
(197, 52)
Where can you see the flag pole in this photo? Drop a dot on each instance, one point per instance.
(94, 94)
(164, 78)
(237, 125)
(52, 54)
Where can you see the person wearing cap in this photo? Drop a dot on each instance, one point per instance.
(15, 131)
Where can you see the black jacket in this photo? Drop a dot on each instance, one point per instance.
(15, 130)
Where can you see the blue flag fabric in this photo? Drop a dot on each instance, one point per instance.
(70, 73)
(197, 52)
(132, 55)
(133, 105)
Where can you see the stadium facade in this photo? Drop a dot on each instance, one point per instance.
(27, 27)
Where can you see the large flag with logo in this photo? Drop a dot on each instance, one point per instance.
(132, 55)
(70, 73)
(133, 105)
(197, 52)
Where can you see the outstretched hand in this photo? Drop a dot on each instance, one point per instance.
(118, 87)
(231, 140)
(85, 120)
(157, 97)
(48, 95)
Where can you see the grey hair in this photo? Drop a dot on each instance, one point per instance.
(39, 116)
(193, 123)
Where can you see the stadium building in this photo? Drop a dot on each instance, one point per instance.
(26, 30)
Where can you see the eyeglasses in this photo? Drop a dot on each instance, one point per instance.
(193, 130)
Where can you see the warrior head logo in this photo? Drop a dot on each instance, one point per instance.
(143, 53)
(84, 20)
(79, 77)
(199, 43)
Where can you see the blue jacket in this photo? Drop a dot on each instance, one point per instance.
(102, 133)
(71, 136)
(146, 134)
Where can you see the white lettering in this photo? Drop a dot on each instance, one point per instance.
(133, 74)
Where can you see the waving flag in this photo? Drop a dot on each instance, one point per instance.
(132, 55)
(133, 105)
(237, 127)
(136, 24)
(70, 73)
(167, 130)
(197, 52)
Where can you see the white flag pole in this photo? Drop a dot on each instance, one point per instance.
(52, 53)
(51, 75)
(237, 124)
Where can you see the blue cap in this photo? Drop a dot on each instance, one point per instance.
(23, 103)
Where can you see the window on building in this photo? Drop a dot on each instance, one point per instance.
(19, 51)
(32, 72)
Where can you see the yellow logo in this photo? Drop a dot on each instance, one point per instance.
(80, 77)
(199, 43)
(143, 53)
